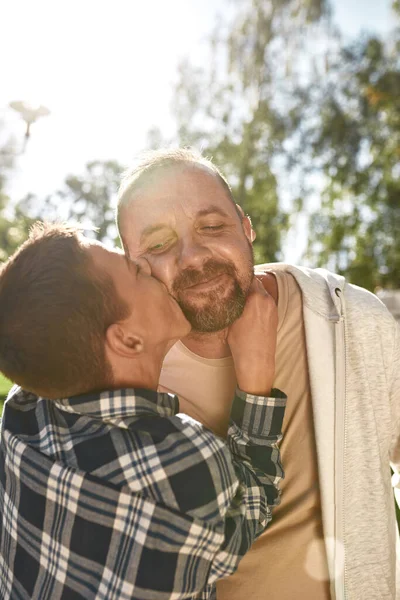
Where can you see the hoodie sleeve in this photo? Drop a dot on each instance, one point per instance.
(395, 405)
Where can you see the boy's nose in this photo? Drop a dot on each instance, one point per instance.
(144, 265)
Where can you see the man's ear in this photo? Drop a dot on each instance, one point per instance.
(246, 224)
(123, 342)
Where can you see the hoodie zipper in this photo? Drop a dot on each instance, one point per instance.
(340, 450)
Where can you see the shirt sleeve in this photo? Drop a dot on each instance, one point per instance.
(253, 437)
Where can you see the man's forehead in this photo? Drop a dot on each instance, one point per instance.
(168, 207)
(181, 188)
(172, 208)
(178, 175)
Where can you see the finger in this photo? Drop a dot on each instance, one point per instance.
(258, 287)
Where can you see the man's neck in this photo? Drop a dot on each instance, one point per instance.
(208, 345)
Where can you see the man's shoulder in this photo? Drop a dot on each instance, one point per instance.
(365, 308)
(317, 285)
(299, 271)
(320, 287)
(304, 275)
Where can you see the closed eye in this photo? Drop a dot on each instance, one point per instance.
(213, 227)
(160, 247)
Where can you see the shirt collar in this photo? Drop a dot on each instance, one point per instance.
(111, 404)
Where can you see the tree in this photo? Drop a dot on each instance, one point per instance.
(355, 141)
(86, 199)
(239, 109)
(13, 231)
(13, 228)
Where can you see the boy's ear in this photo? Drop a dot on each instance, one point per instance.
(123, 342)
(246, 224)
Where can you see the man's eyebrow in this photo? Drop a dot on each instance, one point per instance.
(212, 210)
(152, 229)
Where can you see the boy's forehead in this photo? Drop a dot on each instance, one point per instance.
(103, 257)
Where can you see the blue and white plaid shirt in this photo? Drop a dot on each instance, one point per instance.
(115, 496)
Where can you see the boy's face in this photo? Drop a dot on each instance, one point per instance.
(152, 309)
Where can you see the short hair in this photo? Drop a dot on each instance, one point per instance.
(150, 163)
(55, 308)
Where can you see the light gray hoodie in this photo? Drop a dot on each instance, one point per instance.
(353, 347)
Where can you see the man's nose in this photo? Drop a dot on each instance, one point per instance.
(193, 253)
(144, 265)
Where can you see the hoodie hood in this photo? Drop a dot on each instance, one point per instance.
(319, 288)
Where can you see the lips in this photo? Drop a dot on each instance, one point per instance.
(212, 273)
(206, 284)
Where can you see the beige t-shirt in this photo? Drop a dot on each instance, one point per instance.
(288, 561)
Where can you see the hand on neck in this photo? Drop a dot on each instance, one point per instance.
(214, 345)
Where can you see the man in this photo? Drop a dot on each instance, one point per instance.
(338, 359)
(105, 491)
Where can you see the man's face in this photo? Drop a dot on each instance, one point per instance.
(152, 310)
(184, 223)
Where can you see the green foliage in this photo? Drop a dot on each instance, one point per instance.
(12, 227)
(236, 109)
(87, 199)
(5, 386)
(274, 113)
(356, 143)
(13, 231)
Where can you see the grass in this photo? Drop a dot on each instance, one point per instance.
(4, 387)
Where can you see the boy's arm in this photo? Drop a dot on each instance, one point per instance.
(253, 437)
(229, 485)
(220, 491)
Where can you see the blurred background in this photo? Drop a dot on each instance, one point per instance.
(297, 101)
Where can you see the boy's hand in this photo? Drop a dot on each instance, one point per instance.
(252, 341)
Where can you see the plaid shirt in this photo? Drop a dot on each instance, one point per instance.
(115, 496)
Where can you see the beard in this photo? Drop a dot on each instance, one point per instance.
(215, 310)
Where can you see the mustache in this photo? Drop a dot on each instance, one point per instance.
(212, 268)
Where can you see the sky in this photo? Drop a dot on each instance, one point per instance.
(105, 69)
